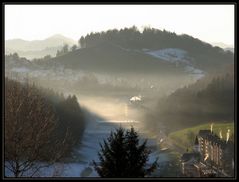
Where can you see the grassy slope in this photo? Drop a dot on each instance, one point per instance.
(181, 139)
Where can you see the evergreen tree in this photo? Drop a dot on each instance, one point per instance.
(123, 156)
(74, 47)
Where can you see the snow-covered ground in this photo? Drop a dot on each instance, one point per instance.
(172, 55)
(178, 57)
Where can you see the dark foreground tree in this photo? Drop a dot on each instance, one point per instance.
(30, 122)
(121, 156)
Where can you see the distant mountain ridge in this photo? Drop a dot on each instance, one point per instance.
(24, 45)
(37, 48)
(222, 45)
(226, 47)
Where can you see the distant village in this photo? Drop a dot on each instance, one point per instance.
(211, 156)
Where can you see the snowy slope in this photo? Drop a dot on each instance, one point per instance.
(179, 57)
(171, 54)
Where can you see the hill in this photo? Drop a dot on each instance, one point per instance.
(152, 50)
(209, 99)
(201, 55)
(112, 58)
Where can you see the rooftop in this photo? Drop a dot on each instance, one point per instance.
(212, 137)
(204, 133)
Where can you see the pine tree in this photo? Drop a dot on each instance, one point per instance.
(123, 156)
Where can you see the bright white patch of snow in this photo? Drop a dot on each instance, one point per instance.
(197, 73)
(171, 54)
(178, 56)
(193, 70)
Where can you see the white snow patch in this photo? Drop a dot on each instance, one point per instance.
(197, 73)
(193, 70)
(178, 56)
(171, 54)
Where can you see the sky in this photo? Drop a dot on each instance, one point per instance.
(209, 23)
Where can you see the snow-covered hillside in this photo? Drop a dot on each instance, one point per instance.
(178, 57)
(172, 55)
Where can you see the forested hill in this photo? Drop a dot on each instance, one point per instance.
(193, 105)
(150, 50)
(205, 55)
(112, 58)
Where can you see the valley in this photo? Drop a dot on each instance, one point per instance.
(116, 81)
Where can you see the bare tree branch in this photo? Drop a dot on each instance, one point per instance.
(30, 122)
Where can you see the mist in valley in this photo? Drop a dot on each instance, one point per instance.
(156, 81)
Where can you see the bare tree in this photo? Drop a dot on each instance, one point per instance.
(30, 123)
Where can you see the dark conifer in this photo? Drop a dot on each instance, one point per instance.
(121, 155)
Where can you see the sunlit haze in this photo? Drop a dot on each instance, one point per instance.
(210, 23)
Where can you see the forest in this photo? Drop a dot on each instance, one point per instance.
(209, 99)
(40, 125)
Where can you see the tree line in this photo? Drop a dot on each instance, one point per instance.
(41, 127)
(150, 38)
(193, 105)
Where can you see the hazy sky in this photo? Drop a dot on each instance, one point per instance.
(210, 23)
